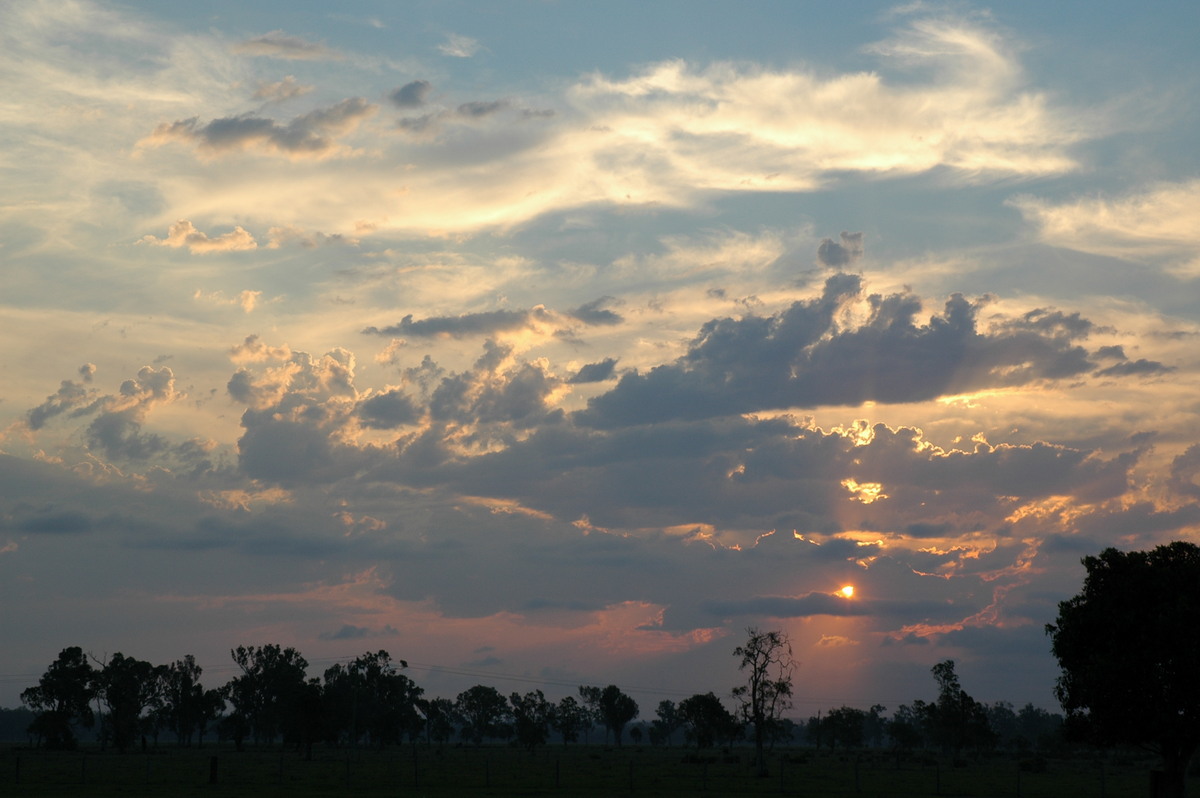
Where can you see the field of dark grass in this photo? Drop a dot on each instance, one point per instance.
(575, 770)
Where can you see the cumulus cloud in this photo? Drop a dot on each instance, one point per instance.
(72, 397)
(282, 90)
(311, 135)
(595, 372)
(803, 357)
(183, 234)
(277, 44)
(837, 255)
(412, 94)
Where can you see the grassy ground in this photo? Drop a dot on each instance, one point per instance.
(555, 771)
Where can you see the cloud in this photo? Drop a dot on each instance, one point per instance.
(831, 253)
(312, 135)
(247, 300)
(595, 372)
(412, 94)
(1160, 224)
(595, 313)
(281, 91)
(308, 239)
(184, 234)
(803, 357)
(71, 396)
(278, 44)
(459, 46)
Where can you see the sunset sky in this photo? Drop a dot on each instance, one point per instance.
(555, 343)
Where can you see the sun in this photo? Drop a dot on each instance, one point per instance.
(847, 591)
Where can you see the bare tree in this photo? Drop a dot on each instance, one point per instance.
(767, 661)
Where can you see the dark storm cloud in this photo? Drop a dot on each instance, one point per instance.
(803, 358)
(837, 255)
(595, 372)
(311, 135)
(411, 95)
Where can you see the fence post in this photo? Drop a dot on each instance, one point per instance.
(782, 759)
(83, 769)
(557, 772)
(212, 769)
(631, 775)
(18, 769)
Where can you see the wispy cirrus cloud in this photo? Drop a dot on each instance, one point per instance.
(277, 44)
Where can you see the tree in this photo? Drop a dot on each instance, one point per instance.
(956, 720)
(370, 696)
(570, 718)
(613, 708)
(668, 720)
(440, 719)
(531, 718)
(767, 659)
(1129, 654)
(483, 711)
(845, 727)
(183, 699)
(272, 680)
(62, 699)
(708, 721)
(128, 687)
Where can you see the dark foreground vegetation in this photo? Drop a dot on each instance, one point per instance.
(1126, 645)
(584, 770)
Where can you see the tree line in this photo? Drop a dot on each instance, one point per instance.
(1126, 646)
(371, 701)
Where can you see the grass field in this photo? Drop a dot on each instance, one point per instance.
(576, 770)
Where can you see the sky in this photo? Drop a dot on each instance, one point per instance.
(556, 343)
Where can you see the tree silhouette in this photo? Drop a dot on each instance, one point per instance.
(616, 709)
(531, 718)
(183, 699)
(483, 711)
(668, 720)
(767, 658)
(62, 699)
(272, 681)
(570, 718)
(708, 720)
(128, 687)
(1130, 655)
(956, 720)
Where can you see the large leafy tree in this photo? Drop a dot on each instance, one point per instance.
(62, 699)
(569, 718)
(264, 695)
(1130, 655)
(766, 659)
(483, 711)
(128, 687)
(708, 721)
(371, 696)
(532, 715)
(612, 707)
(185, 707)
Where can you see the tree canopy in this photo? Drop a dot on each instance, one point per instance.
(1129, 653)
